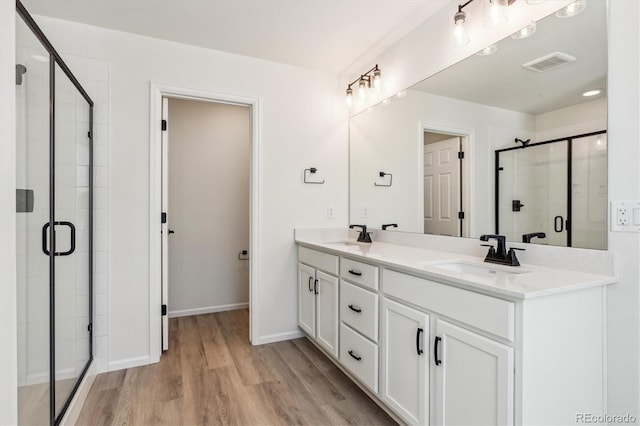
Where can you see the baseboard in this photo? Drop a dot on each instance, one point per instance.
(36, 379)
(129, 363)
(278, 337)
(207, 310)
(75, 407)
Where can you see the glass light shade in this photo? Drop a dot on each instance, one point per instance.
(495, 13)
(377, 79)
(349, 98)
(460, 36)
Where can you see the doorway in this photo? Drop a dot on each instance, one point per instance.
(445, 194)
(191, 192)
(206, 173)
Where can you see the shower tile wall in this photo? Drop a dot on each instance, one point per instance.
(72, 180)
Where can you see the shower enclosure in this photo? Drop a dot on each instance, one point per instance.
(556, 187)
(54, 150)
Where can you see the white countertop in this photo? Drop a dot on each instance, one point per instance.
(530, 281)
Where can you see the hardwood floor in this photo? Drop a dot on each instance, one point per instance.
(212, 375)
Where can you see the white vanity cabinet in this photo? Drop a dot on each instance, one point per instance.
(436, 349)
(405, 362)
(318, 297)
(474, 378)
(359, 314)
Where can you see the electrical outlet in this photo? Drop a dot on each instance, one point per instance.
(331, 212)
(365, 211)
(625, 216)
(622, 216)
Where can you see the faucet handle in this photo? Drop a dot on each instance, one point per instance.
(511, 256)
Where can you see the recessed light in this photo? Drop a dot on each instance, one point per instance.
(489, 50)
(572, 10)
(592, 92)
(527, 31)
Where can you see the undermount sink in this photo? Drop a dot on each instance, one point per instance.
(476, 269)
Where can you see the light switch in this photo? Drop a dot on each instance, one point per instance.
(636, 216)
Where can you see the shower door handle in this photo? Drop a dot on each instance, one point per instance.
(558, 224)
(73, 238)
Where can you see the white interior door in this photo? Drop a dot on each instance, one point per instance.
(442, 187)
(165, 225)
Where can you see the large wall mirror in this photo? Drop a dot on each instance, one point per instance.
(504, 141)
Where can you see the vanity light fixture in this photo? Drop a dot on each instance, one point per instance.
(489, 50)
(366, 81)
(460, 36)
(573, 9)
(495, 14)
(527, 31)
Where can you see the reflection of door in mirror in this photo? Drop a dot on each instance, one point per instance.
(442, 189)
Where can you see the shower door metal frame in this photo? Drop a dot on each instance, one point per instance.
(569, 141)
(55, 58)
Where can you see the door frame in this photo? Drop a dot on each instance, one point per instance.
(467, 138)
(157, 92)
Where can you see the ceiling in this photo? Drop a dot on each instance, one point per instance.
(328, 35)
(500, 80)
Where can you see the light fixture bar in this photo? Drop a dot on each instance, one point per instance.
(369, 79)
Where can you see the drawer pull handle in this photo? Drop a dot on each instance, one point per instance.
(315, 286)
(418, 348)
(356, 273)
(354, 356)
(354, 309)
(310, 280)
(435, 351)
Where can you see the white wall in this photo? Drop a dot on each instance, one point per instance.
(413, 58)
(209, 152)
(8, 318)
(574, 120)
(389, 137)
(303, 124)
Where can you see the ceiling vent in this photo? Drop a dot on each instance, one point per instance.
(549, 62)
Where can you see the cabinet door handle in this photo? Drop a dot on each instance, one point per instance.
(315, 286)
(356, 273)
(418, 348)
(435, 351)
(354, 356)
(354, 309)
(310, 280)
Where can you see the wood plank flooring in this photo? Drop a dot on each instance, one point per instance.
(212, 375)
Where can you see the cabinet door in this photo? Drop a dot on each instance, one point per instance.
(405, 361)
(327, 312)
(306, 299)
(474, 380)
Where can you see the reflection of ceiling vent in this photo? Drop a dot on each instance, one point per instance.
(549, 62)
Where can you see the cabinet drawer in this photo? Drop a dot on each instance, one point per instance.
(358, 272)
(478, 310)
(359, 356)
(354, 299)
(324, 261)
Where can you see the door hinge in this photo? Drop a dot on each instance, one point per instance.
(89, 134)
(460, 215)
(164, 125)
(163, 217)
(164, 310)
(460, 155)
(90, 327)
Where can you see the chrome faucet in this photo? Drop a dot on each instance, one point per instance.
(364, 236)
(499, 254)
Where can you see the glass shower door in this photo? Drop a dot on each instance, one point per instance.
(32, 213)
(533, 193)
(72, 218)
